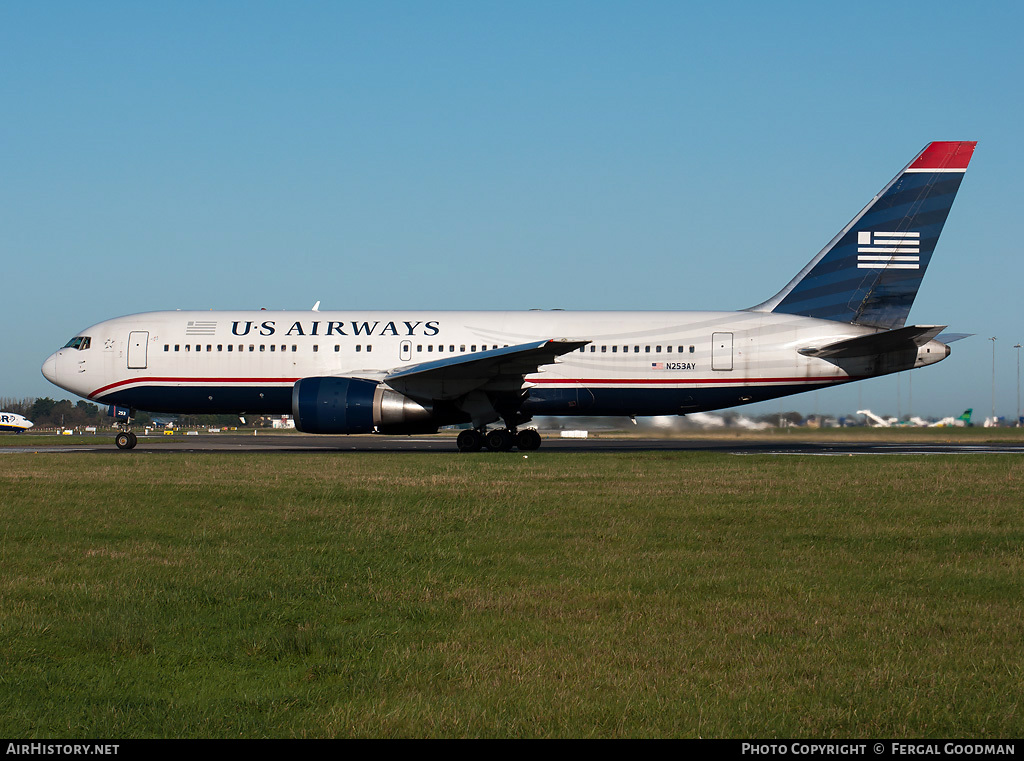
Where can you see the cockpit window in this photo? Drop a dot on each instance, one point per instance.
(78, 342)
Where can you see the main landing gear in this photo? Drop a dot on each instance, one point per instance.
(498, 440)
(126, 440)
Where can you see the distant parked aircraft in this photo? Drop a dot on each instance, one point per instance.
(12, 423)
(877, 421)
(958, 422)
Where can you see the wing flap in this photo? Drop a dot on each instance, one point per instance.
(495, 370)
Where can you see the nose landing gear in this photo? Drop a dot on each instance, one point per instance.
(125, 439)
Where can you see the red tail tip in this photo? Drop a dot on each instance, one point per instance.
(952, 154)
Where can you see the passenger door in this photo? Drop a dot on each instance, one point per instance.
(721, 351)
(138, 342)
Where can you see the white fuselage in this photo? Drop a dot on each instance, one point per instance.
(637, 363)
(11, 422)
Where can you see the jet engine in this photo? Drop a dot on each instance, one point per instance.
(357, 405)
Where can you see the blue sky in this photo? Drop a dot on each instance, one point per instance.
(477, 155)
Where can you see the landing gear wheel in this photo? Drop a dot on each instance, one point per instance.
(528, 440)
(470, 441)
(126, 440)
(500, 440)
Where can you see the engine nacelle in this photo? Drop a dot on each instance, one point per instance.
(356, 405)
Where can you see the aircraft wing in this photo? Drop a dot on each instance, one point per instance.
(495, 370)
(877, 343)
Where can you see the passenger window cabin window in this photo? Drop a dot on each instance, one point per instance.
(657, 350)
(692, 349)
(358, 347)
(604, 349)
(231, 347)
(316, 348)
(177, 347)
(615, 350)
(369, 347)
(668, 349)
(337, 348)
(167, 347)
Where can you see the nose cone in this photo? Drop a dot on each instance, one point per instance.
(50, 368)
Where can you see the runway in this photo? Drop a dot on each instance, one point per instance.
(446, 445)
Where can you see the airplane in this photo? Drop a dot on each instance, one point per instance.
(842, 318)
(14, 423)
(958, 422)
(878, 421)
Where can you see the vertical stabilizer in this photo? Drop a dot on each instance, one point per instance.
(870, 272)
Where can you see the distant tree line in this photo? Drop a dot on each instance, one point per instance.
(45, 412)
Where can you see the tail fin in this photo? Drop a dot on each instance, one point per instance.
(870, 272)
(966, 417)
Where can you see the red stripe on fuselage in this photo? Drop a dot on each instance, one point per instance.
(247, 381)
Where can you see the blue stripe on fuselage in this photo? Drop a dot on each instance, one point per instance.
(584, 400)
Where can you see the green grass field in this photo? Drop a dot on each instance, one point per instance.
(972, 435)
(657, 594)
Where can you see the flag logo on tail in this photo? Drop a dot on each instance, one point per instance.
(888, 250)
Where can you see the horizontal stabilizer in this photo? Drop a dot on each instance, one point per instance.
(948, 338)
(909, 337)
